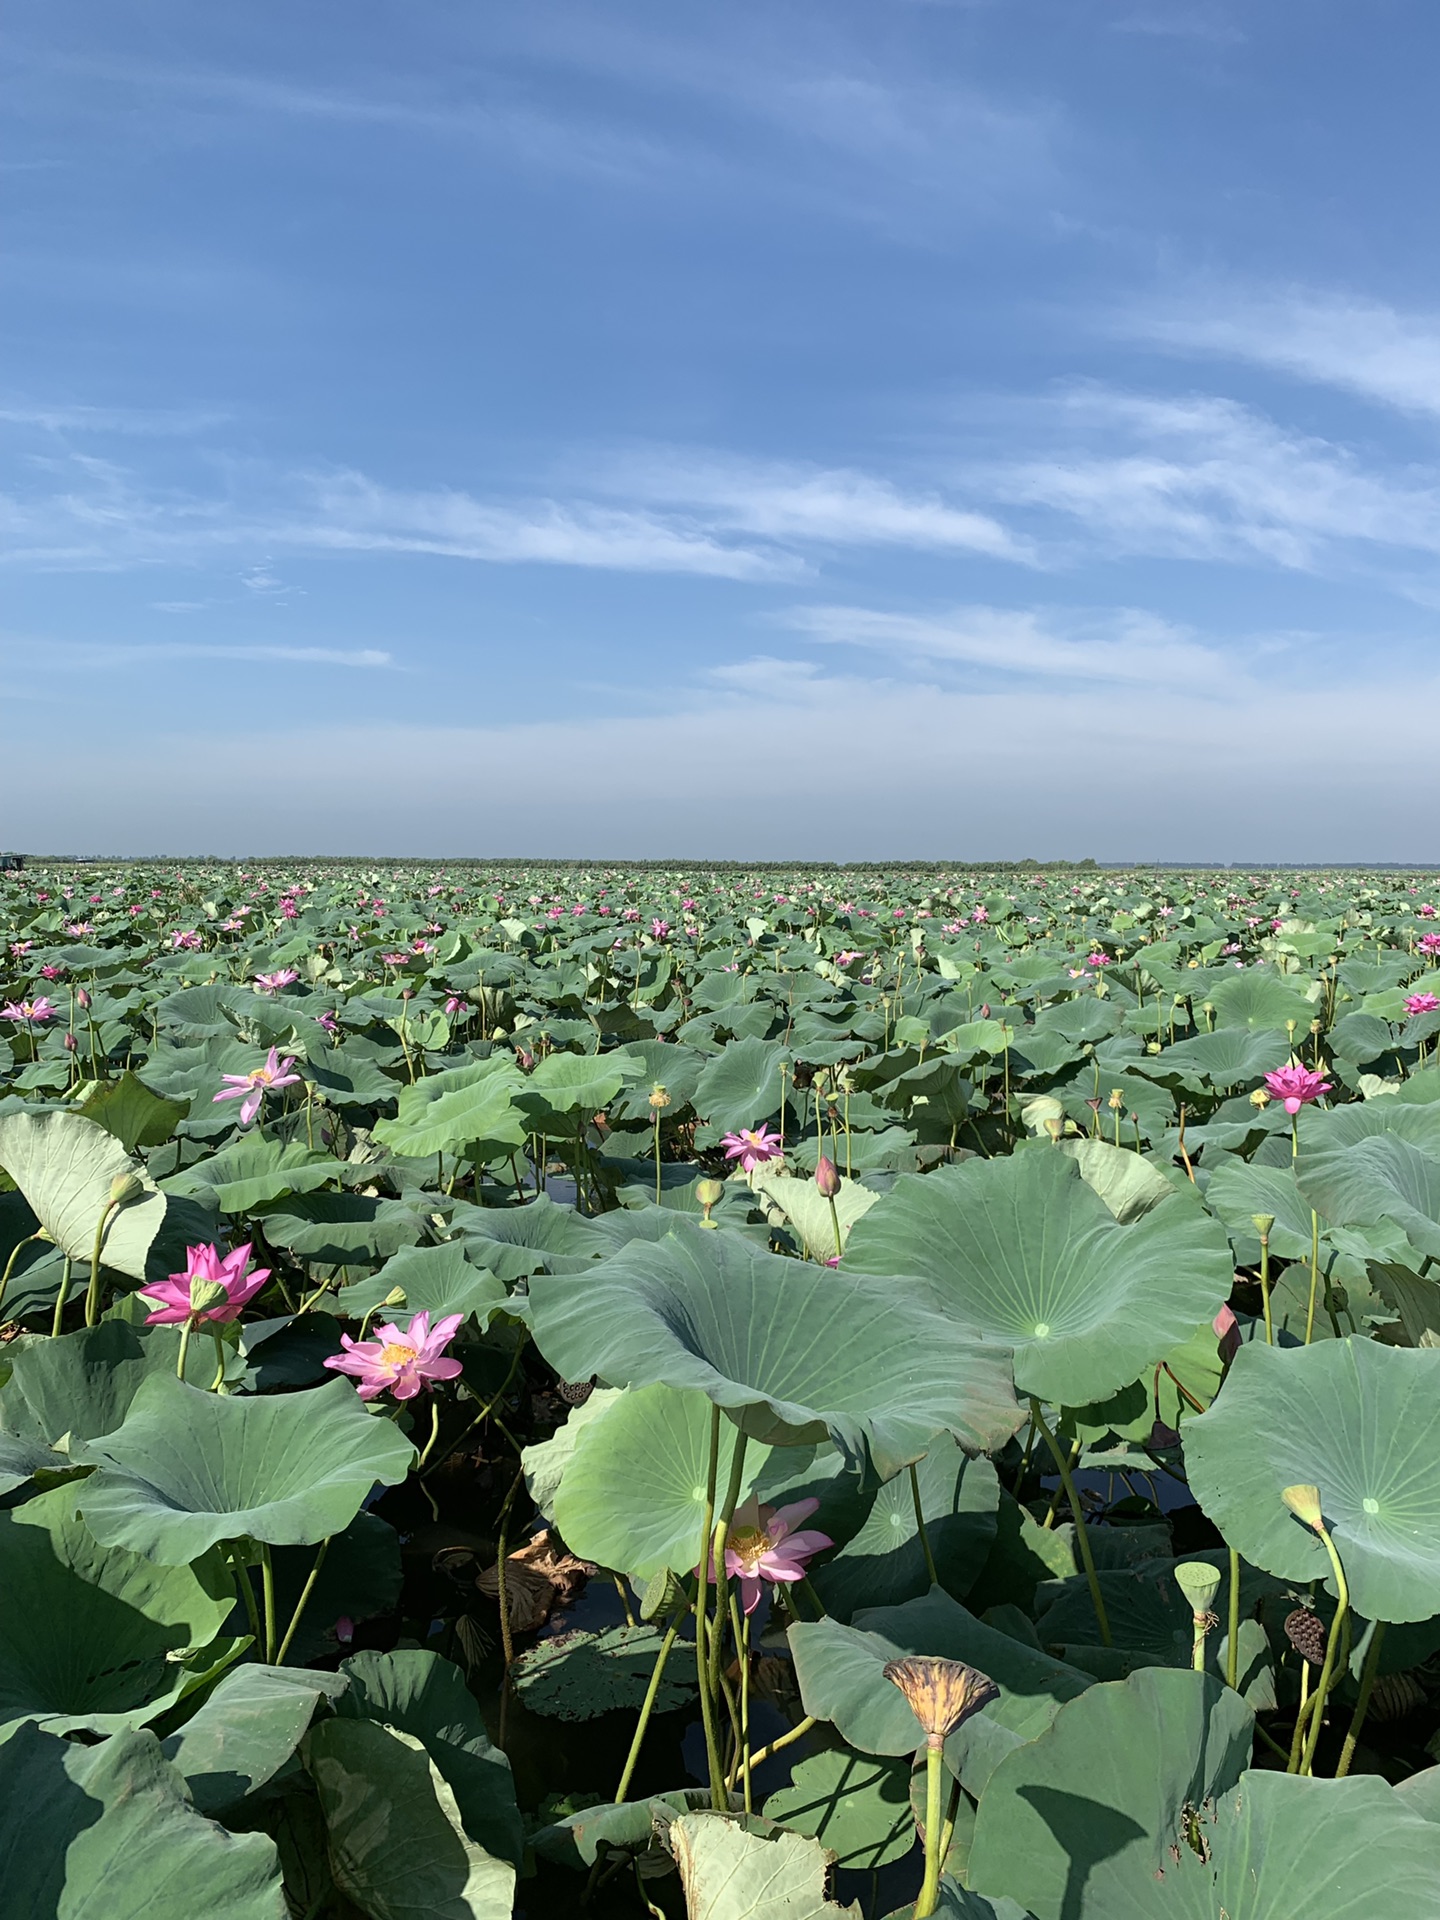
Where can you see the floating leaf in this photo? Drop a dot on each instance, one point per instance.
(576, 1676)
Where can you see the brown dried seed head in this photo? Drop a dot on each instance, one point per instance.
(941, 1693)
(1306, 1633)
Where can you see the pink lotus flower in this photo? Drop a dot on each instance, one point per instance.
(328, 1022)
(762, 1546)
(51, 972)
(400, 1360)
(1429, 943)
(659, 928)
(395, 959)
(190, 941)
(1414, 1002)
(190, 1295)
(752, 1147)
(456, 1007)
(274, 982)
(253, 1086)
(1296, 1086)
(1097, 960)
(30, 1013)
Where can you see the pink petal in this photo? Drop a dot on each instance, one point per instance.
(784, 1518)
(750, 1591)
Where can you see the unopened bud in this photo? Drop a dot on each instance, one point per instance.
(70, 1043)
(124, 1188)
(82, 998)
(396, 1297)
(1304, 1503)
(827, 1177)
(709, 1192)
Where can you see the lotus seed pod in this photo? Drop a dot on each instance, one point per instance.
(205, 1294)
(1199, 1582)
(709, 1191)
(941, 1693)
(1116, 1101)
(1259, 1098)
(1306, 1633)
(1304, 1503)
(663, 1596)
(124, 1188)
(659, 1099)
(827, 1177)
(1263, 1224)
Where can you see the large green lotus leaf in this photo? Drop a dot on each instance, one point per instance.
(1023, 1249)
(884, 1564)
(578, 1675)
(88, 1632)
(1076, 1824)
(1361, 1422)
(633, 1494)
(396, 1842)
(135, 1115)
(856, 1806)
(959, 1903)
(806, 1208)
(1128, 1184)
(1372, 1162)
(1023, 1555)
(1238, 1189)
(457, 1108)
(741, 1086)
(731, 1874)
(252, 1171)
(64, 1165)
(420, 1694)
(1415, 1298)
(565, 1083)
(349, 1077)
(566, 1242)
(246, 1731)
(841, 1674)
(1421, 1793)
(64, 1392)
(627, 1826)
(1232, 1056)
(794, 1351)
(1261, 1002)
(659, 1063)
(340, 1228)
(187, 1469)
(106, 1833)
(433, 1280)
(548, 1461)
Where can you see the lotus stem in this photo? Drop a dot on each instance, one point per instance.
(218, 1383)
(15, 1252)
(58, 1321)
(267, 1583)
(1362, 1704)
(722, 1534)
(741, 1630)
(302, 1602)
(92, 1292)
(185, 1333)
(1314, 1274)
(718, 1796)
(797, 1732)
(930, 1886)
(1265, 1288)
(1082, 1538)
(647, 1707)
(1232, 1640)
(934, 1577)
(1327, 1672)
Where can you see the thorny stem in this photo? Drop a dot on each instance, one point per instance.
(1317, 1710)
(1082, 1537)
(1265, 1288)
(60, 1299)
(92, 1292)
(797, 1732)
(1314, 1274)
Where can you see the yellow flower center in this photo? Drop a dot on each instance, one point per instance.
(749, 1545)
(395, 1355)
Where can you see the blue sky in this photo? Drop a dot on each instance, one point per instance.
(819, 429)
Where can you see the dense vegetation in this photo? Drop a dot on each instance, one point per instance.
(1016, 1291)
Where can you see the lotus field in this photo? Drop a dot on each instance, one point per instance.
(719, 1394)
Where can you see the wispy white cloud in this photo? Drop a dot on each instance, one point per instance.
(1334, 339)
(147, 422)
(107, 656)
(1055, 644)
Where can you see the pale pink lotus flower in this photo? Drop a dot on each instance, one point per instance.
(274, 982)
(456, 1007)
(751, 1146)
(253, 1086)
(30, 1013)
(659, 928)
(762, 1545)
(1296, 1087)
(189, 940)
(395, 959)
(182, 1296)
(399, 1360)
(1414, 1002)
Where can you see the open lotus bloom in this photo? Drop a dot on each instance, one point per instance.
(752, 1147)
(1296, 1086)
(251, 1088)
(400, 1360)
(763, 1545)
(192, 1295)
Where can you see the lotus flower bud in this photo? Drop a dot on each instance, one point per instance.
(82, 998)
(827, 1177)
(124, 1188)
(394, 1298)
(70, 1043)
(1304, 1503)
(1263, 1224)
(659, 1099)
(205, 1294)
(1199, 1582)
(942, 1694)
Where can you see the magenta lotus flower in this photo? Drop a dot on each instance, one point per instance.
(30, 1013)
(395, 959)
(274, 982)
(751, 1146)
(456, 1007)
(184, 1296)
(400, 1360)
(763, 1545)
(252, 1087)
(328, 1022)
(1296, 1086)
(1414, 1002)
(188, 940)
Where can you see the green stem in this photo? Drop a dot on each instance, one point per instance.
(797, 1732)
(1265, 1288)
(1327, 1672)
(434, 1433)
(933, 1576)
(741, 1631)
(302, 1603)
(722, 1534)
(267, 1582)
(185, 1333)
(647, 1707)
(218, 1382)
(930, 1886)
(1232, 1647)
(15, 1252)
(247, 1594)
(92, 1292)
(1362, 1704)
(60, 1299)
(720, 1800)
(1082, 1537)
(1314, 1274)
